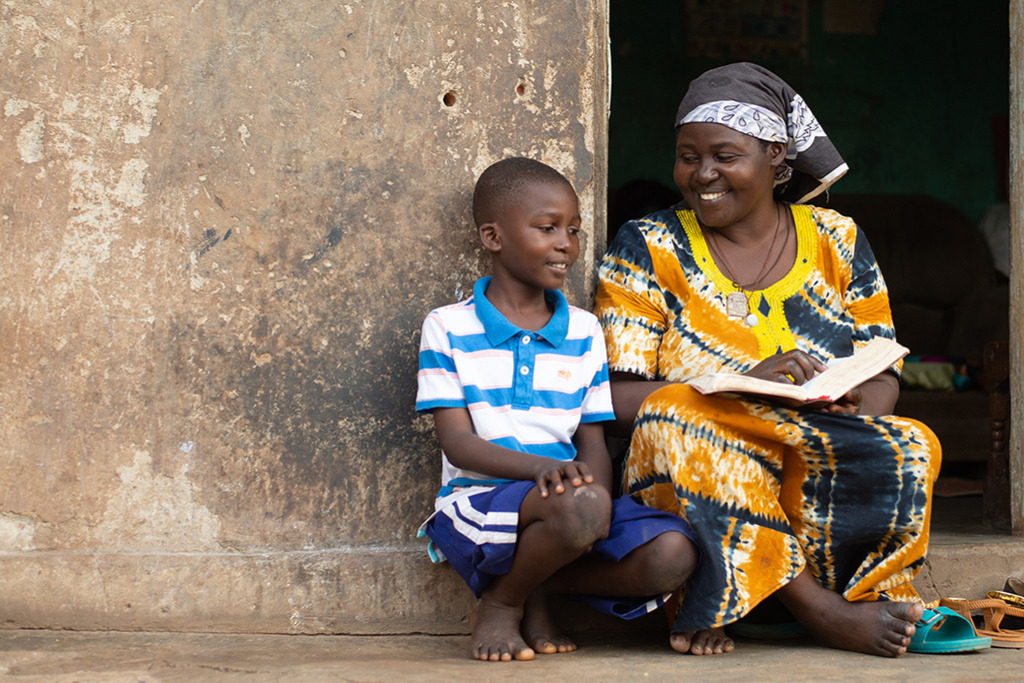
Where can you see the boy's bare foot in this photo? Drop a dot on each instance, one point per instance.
(496, 632)
(539, 630)
(710, 641)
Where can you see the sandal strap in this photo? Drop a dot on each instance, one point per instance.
(994, 604)
(993, 611)
(1008, 598)
(927, 620)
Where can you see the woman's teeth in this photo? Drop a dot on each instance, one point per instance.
(712, 196)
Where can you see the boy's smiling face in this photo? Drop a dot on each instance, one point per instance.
(536, 239)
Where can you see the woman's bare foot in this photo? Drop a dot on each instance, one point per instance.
(710, 641)
(538, 628)
(881, 628)
(496, 632)
(877, 628)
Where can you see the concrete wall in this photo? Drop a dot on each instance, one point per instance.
(221, 224)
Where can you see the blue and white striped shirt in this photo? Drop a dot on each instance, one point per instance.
(524, 390)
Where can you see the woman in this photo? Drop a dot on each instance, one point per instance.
(826, 509)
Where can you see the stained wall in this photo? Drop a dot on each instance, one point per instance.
(221, 224)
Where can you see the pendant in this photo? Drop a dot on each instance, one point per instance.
(751, 320)
(736, 305)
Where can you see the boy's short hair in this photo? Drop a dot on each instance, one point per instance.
(505, 179)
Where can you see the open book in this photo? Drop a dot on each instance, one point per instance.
(827, 386)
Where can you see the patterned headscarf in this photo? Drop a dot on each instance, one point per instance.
(754, 101)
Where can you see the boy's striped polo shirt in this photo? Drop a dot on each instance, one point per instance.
(525, 390)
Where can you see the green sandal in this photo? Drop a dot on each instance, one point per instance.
(943, 631)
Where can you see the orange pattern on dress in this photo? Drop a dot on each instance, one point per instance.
(768, 490)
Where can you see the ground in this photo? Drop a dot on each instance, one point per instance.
(62, 657)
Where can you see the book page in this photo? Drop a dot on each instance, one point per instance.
(828, 386)
(846, 373)
(721, 382)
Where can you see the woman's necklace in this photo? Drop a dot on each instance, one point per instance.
(737, 304)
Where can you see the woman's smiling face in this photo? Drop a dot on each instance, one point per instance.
(724, 175)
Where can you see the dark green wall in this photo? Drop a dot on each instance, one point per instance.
(910, 109)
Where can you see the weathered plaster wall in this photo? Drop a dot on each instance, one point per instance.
(221, 224)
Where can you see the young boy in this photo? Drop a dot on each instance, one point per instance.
(517, 381)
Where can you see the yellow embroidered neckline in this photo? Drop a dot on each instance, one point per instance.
(785, 287)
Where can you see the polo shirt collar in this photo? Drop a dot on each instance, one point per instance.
(499, 330)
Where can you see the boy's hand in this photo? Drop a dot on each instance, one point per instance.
(551, 476)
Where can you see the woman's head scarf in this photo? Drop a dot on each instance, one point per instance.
(752, 100)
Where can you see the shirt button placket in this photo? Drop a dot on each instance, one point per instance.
(524, 384)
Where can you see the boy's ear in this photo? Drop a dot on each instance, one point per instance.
(490, 237)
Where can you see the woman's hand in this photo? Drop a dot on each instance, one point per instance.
(791, 367)
(878, 395)
(549, 476)
(848, 404)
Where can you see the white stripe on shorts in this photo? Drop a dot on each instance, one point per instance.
(477, 536)
(492, 518)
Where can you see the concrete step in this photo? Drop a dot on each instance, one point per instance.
(363, 590)
(965, 559)
(967, 565)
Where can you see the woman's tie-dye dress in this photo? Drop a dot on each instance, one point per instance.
(768, 490)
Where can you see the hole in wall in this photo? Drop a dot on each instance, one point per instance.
(449, 98)
(520, 89)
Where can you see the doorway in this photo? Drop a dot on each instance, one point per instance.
(925, 131)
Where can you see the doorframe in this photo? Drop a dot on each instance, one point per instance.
(1016, 463)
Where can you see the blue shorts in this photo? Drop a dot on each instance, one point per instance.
(477, 534)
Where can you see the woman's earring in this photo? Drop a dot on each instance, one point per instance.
(783, 173)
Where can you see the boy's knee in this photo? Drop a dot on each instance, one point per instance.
(670, 560)
(584, 515)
